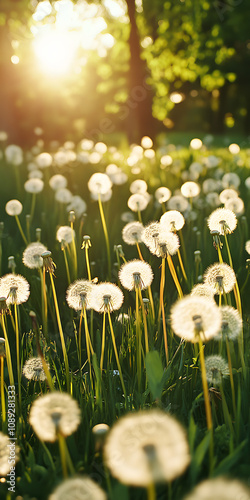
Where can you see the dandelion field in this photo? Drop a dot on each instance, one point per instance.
(124, 296)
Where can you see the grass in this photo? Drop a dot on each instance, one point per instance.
(217, 425)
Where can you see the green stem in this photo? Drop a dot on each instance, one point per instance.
(162, 286)
(2, 390)
(87, 262)
(8, 354)
(174, 276)
(18, 356)
(73, 245)
(117, 358)
(105, 234)
(138, 338)
(66, 265)
(144, 322)
(151, 493)
(103, 341)
(21, 230)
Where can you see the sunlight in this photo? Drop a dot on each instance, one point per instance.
(55, 50)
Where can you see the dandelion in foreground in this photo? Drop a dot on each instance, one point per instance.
(105, 297)
(78, 488)
(77, 294)
(136, 274)
(222, 220)
(32, 255)
(33, 369)
(151, 233)
(195, 318)
(159, 447)
(216, 369)
(132, 233)
(65, 234)
(172, 220)
(15, 288)
(6, 463)
(167, 244)
(202, 290)
(231, 324)
(99, 183)
(220, 277)
(220, 488)
(54, 413)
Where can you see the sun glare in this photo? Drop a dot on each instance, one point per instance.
(55, 50)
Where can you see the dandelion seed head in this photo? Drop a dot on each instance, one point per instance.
(105, 297)
(194, 317)
(132, 233)
(32, 255)
(64, 233)
(202, 290)
(231, 179)
(159, 444)
(247, 246)
(99, 184)
(216, 369)
(178, 202)
(209, 185)
(14, 207)
(33, 369)
(6, 463)
(34, 185)
(63, 195)
(231, 324)
(172, 220)
(162, 194)
(15, 288)
(222, 220)
(213, 199)
(220, 277)
(44, 160)
(77, 294)
(220, 488)
(136, 273)
(190, 189)
(151, 233)
(227, 194)
(167, 243)
(14, 154)
(78, 205)
(138, 186)
(53, 413)
(58, 181)
(78, 488)
(137, 202)
(236, 205)
(35, 174)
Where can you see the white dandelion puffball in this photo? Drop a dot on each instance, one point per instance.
(132, 233)
(231, 179)
(213, 199)
(172, 220)
(15, 288)
(145, 447)
(190, 189)
(34, 185)
(138, 186)
(105, 297)
(14, 154)
(6, 456)
(63, 195)
(13, 207)
(151, 233)
(227, 194)
(220, 488)
(236, 205)
(209, 185)
(35, 174)
(136, 274)
(44, 160)
(146, 142)
(203, 291)
(77, 294)
(32, 255)
(162, 194)
(99, 183)
(167, 243)
(33, 369)
(65, 234)
(53, 413)
(247, 246)
(216, 369)
(194, 318)
(58, 181)
(231, 324)
(102, 196)
(138, 201)
(78, 488)
(178, 202)
(78, 205)
(222, 220)
(220, 277)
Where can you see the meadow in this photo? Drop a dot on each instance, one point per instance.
(124, 299)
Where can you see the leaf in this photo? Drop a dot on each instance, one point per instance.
(199, 455)
(228, 462)
(120, 491)
(155, 374)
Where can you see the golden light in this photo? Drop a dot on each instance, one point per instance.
(176, 97)
(55, 50)
(196, 143)
(234, 149)
(14, 59)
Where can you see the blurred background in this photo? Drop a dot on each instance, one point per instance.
(99, 69)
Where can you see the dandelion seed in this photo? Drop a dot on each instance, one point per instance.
(220, 277)
(136, 274)
(222, 220)
(216, 369)
(172, 220)
(33, 369)
(220, 488)
(58, 181)
(15, 287)
(159, 444)
(162, 194)
(32, 255)
(231, 324)
(77, 294)
(202, 290)
(34, 185)
(78, 488)
(105, 297)
(54, 413)
(137, 202)
(132, 233)
(194, 318)
(190, 189)
(6, 463)
(13, 207)
(64, 233)
(138, 186)
(99, 184)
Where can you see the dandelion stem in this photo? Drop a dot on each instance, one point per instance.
(162, 285)
(139, 251)
(21, 230)
(8, 354)
(61, 441)
(103, 341)
(181, 264)
(174, 276)
(73, 245)
(144, 322)
(33, 204)
(18, 356)
(117, 357)
(151, 492)
(205, 387)
(231, 376)
(138, 337)
(87, 262)
(2, 390)
(44, 301)
(105, 233)
(66, 264)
